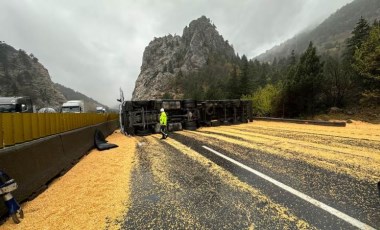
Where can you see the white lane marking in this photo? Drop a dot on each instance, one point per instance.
(305, 197)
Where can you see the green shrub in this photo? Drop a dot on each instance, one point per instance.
(264, 100)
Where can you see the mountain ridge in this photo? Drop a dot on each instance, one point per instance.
(330, 35)
(23, 75)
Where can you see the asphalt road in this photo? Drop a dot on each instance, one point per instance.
(179, 184)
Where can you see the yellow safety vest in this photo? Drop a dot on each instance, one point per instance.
(163, 118)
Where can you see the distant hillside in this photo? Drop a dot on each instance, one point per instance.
(330, 35)
(22, 75)
(70, 94)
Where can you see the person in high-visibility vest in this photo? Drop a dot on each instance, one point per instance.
(163, 123)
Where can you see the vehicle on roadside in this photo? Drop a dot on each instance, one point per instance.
(100, 109)
(73, 106)
(19, 104)
(47, 110)
(142, 117)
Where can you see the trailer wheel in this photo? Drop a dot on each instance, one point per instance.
(157, 128)
(131, 131)
(174, 127)
(142, 132)
(215, 123)
(210, 110)
(191, 125)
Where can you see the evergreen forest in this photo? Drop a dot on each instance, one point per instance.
(298, 85)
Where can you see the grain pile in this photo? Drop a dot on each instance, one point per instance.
(94, 194)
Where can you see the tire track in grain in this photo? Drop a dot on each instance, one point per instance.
(349, 194)
(261, 202)
(176, 188)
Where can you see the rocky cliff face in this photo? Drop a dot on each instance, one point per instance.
(22, 75)
(168, 57)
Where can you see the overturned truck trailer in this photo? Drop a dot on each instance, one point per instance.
(142, 117)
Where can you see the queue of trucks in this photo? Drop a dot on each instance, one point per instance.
(24, 104)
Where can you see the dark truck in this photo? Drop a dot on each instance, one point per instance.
(22, 104)
(142, 117)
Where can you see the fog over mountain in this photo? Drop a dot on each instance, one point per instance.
(329, 36)
(97, 47)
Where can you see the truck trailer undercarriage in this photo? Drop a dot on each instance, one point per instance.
(142, 117)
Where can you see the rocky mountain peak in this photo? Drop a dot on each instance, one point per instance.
(199, 27)
(202, 39)
(168, 57)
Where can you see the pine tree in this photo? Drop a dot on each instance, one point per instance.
(366, 62)
(292, 59)
(337, 82)
(244, 76)
(289, 98)
(306, 83)
(233, 84)
(359, 35)
(376, 23)
(367, 57)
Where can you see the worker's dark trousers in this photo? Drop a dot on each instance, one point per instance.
(163, 131)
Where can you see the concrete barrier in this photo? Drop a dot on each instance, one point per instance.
(34, 164)
(76, 143)
(299, 121)
(111, 127)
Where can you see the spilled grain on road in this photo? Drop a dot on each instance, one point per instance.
(94, 194)
(276, 211)
(360, 162)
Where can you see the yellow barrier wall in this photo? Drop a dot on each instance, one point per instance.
(17, 128)
(1, 132)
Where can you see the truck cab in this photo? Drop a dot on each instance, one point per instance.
(100, 109)
(73, 106)
(21, 104)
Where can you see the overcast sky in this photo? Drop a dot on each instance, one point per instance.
(96, 46)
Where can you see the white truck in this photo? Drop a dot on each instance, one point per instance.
(73, 106)
(100, 109)
(20, 104)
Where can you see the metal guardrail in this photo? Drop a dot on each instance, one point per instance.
(17, 128)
